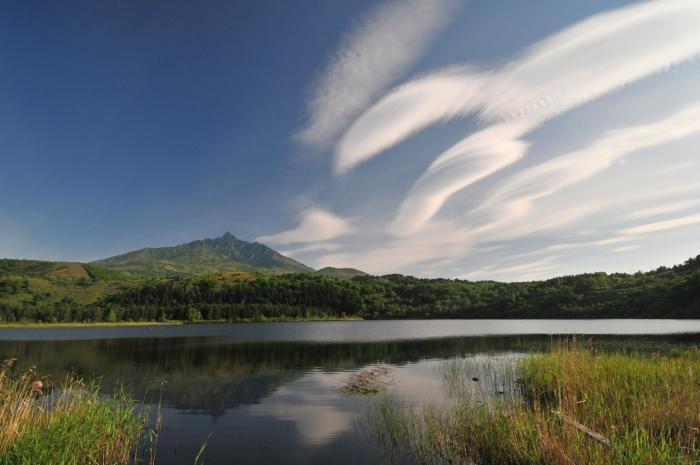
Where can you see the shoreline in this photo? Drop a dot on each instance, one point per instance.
(34, 324)
(77, 324)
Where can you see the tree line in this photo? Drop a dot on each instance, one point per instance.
(662, 293)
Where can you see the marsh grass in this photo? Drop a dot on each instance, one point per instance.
(647, 405)
(66, 424)
(482, 378)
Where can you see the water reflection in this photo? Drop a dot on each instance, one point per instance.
(274, 402)
(358, 331)
(212, 375)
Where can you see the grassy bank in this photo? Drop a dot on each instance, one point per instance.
(68, 424)
(569, 406)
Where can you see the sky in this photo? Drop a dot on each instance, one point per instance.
(474, 139)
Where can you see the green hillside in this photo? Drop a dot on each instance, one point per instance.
(36, 283)
(226, 253)
(340, 273)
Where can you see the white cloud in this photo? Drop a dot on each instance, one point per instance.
(572, 67)
(662, 209)
(627, 248)
(304, 249)
(560, 172)
(380, 49)
(406, 110)
(514, 199)
(565, 70)
(521, 221)
(475, 158)
(316, 224)
(549, 249)
(613, 240)
(595, 56)
(663, 225)
(525, 270)
(438, 242)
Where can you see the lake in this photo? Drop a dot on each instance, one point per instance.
(268, 392)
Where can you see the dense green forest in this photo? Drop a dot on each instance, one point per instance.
(74, 292)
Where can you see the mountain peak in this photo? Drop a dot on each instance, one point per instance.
(226, 253)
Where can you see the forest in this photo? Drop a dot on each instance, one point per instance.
(663, 293)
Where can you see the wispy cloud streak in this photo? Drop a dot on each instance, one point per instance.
(559, 73)
(474, 158)
(572, 67)
(575, 66)
(380, 49)
(553, 175)
(406, 110)
(316, 224)
(663, 225)
(665, 208)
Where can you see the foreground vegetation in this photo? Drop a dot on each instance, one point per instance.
(569, 406)
(50, 292)
(69, 424)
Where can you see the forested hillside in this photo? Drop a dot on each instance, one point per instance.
(33, 283)
(665, 292)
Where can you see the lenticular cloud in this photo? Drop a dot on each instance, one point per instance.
(572, 67)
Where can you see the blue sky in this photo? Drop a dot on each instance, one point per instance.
(501, 140)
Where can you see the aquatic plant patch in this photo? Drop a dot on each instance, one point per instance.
(369, 381)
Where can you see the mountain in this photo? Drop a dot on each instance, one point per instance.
(226, 253)
(340, 273)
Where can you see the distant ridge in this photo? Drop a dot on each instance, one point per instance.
(341, 273)
(226, 253)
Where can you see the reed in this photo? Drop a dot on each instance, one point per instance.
(67, 424)
(644, 409)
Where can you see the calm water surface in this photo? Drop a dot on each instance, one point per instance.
(267, 393)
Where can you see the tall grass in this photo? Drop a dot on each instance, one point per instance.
(67, 424)
(481, 378)
(646, 405)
